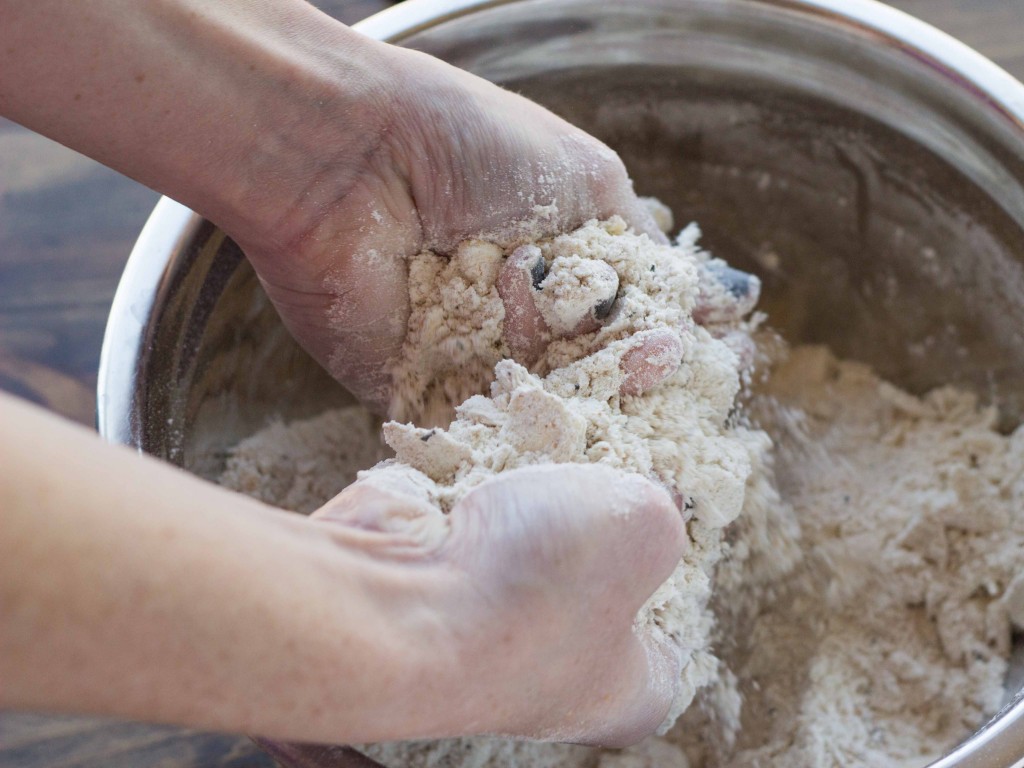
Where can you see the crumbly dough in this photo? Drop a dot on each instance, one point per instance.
(453, 340)
(851, 584)
(569, 410)
(887, 642)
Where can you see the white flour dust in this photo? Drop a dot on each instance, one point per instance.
(849, 593)
(887, 642)
(569, 409)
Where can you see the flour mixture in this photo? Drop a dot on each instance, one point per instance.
(850, 590)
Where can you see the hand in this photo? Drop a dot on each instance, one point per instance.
(541, 573)
(178, 602)
(454, 157)
(724, 296)
(327, 156)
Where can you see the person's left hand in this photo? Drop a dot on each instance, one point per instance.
(527, 599)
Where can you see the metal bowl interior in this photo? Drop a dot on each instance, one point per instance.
(867, 167)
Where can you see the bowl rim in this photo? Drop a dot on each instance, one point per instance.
(125, 340)
(1000, 743)
(950, 56)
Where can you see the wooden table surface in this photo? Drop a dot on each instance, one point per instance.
(66, 226)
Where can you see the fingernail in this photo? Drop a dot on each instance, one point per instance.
(604, 308)
(740, 284)
(726, 294)
(538, 271)
(580, 297)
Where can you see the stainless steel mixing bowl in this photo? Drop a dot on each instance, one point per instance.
(867, 166)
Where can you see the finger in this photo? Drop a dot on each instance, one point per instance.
(611, 189)
(576, 300)
(726, 294)
(364, 506)
(523, 328)
(653, 666)
(387, 514)
(641, 220)
(655, 355)
(664, 671)
(581, 515)
(610, 539)
(652, 543)
(588, 323)
(294, 755)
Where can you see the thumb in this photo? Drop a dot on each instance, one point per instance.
(387, 512)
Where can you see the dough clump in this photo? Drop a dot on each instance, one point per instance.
(567, 407)
(852, 582)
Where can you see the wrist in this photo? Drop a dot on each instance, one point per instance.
(249, 111)
(309, 103)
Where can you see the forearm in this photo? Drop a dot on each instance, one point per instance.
(129, 588)
(218, 105)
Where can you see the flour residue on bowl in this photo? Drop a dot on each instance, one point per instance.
(857, 612)
(887, 644)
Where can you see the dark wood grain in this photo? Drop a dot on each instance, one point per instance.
(993, 27)
(66, 227)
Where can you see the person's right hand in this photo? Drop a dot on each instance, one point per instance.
(531, 588)
(444, 156)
